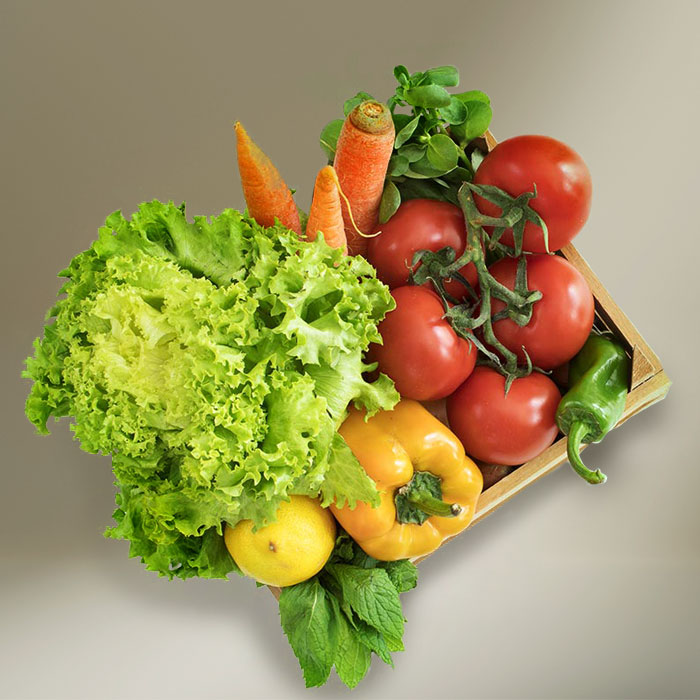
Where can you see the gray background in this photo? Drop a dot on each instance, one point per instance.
(568, 591)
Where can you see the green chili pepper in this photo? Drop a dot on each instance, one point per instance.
(598, 380)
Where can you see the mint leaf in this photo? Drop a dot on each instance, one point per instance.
(308, 620)
(372, 595)
(352, 658)
(403, 574)
(355, 598)
(344, 548)
(374, 641)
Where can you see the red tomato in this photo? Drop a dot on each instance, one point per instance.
(419, 224)
(563, 187)
(501, 429)
(422, 354)
(561, 320)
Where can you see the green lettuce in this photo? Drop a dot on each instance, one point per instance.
(214, 361)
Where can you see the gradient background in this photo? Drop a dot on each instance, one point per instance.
(567, 592)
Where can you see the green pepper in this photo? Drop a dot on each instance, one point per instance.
(598, 380)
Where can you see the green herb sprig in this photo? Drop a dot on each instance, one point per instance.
(347, 612)
(434, 129)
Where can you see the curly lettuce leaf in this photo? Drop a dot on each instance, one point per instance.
(214, 361)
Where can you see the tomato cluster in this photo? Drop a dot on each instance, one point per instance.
(429, 360)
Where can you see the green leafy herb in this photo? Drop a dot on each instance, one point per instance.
(214, 361)
(477, 121)
(402, 574)
(329, 137)
(345, 613)
(432, 150)
(372, 595)
(308, 618)
(353, 657)
(391, 199)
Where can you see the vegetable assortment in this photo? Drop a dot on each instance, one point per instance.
(256, 377)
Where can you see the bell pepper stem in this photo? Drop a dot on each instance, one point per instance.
(426, 502)
(577, 434)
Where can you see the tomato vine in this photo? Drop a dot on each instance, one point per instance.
(468, 317)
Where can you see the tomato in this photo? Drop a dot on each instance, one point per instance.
(501, 429)
(421, 352)
(561, 320)
(563, 187)
(419, 224)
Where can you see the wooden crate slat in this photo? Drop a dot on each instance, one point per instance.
(643, 367)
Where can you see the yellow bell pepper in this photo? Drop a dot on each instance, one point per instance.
(416, 462)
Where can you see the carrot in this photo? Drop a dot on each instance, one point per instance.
(362, 154)
(266, 194)
(326, 214)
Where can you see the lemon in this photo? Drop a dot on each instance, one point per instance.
(288, 551)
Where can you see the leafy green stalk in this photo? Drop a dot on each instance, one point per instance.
(345, 613)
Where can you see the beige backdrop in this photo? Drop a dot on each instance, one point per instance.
(569, 591)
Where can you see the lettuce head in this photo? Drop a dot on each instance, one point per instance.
(214, 361)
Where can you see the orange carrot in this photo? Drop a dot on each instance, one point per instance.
(326, 214)
(266, 194)
(362, 155)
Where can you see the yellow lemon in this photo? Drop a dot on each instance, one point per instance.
(288, 551)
